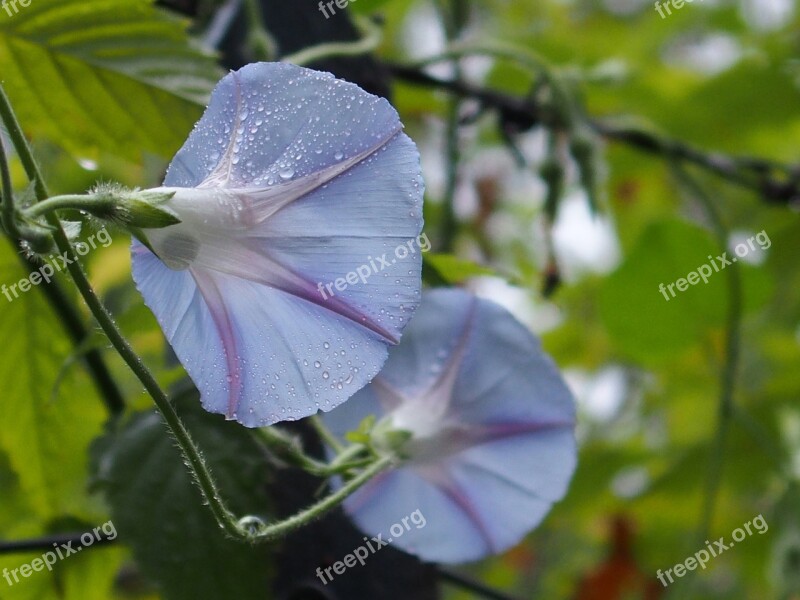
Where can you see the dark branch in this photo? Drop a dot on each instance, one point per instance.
(46, 543)
(776, 183)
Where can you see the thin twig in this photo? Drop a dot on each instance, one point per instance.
(773, 181)
(48, 542)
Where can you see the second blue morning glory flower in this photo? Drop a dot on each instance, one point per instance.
(484, 425)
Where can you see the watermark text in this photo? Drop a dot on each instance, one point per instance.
(374, 265)
(704, 271)
(60, 552)
(371, 546)
(701, 557)
(54, 264)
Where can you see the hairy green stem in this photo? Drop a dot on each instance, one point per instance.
(263, 533)
(325, 434)
(55, 295)
(225, 518)
(84, 202)
(289, 448)
(7, 195)
(270, 532)
(199, 470)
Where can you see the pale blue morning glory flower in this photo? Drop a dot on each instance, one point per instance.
(291, 180)
(491, 420)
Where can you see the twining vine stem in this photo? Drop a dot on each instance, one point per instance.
(55, 294)
(249, 528)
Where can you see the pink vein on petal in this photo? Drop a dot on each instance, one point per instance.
(259, 267)
(216, 306)
(439, 477)
(302, 288)
(489, 432)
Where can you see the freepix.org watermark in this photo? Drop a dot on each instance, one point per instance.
(60, 552)
(676, 4)
(703, 272)
(374, 265)
(361, 553)
(701, 557)
(12, 7)
(54, 264)
(340, 4)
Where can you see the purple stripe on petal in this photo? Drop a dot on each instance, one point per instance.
(439, 477)
(302, 288)
(247, 261)
(267, 201)
(216, 304)
(483, 433)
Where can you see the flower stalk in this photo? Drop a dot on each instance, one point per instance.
(249, 528)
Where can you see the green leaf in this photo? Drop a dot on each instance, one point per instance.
(45, 435)
(104, 75)
(158, 510)
(454, 269)
(89, 575)
(641, 320)
(650, 322)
